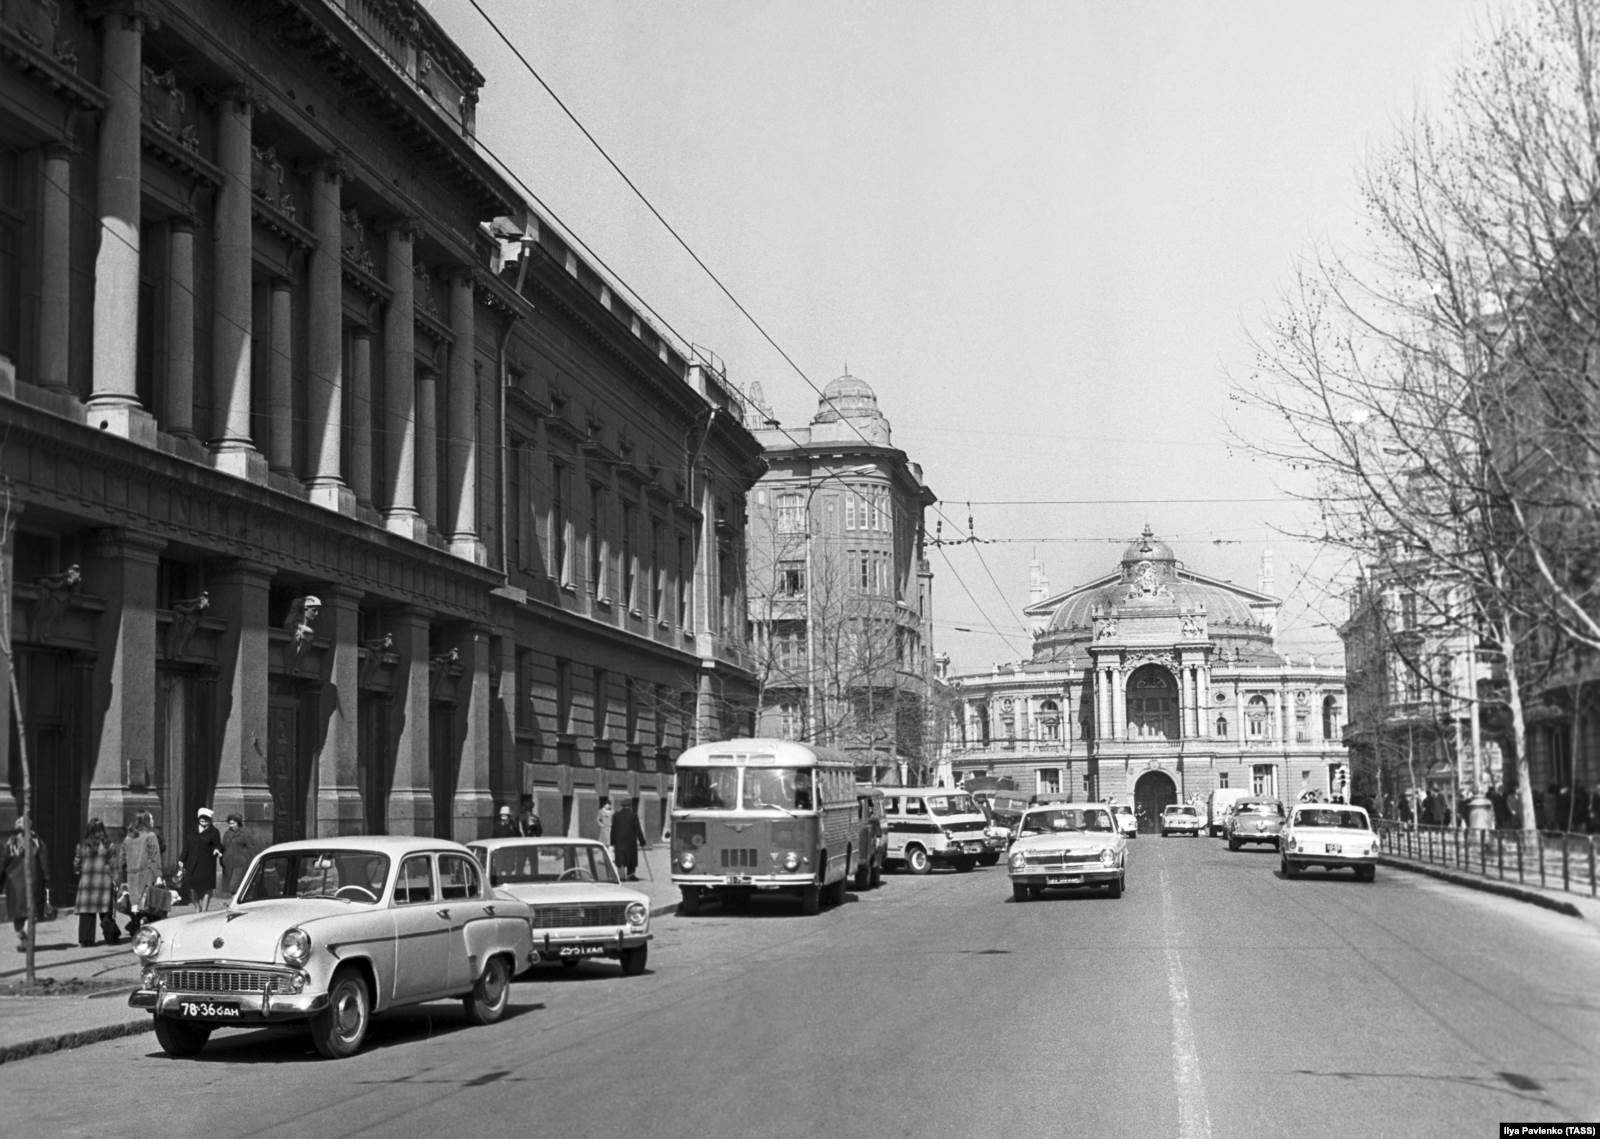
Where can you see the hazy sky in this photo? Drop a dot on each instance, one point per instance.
(1041, 231)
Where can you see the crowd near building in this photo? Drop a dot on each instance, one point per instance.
(340, 490)
(1153, 684)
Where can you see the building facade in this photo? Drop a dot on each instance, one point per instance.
(338, 489)
(840, 587)
(1153, 684)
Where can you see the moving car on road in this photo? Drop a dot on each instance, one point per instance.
(580, 906)
(1127, 819)
(1254, 820)
(931, 826)
(329, 931)
(1336, 836)
(1219, 803)
(1065, 846)
(1180, 818)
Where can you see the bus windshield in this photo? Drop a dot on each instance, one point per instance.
(725, 788)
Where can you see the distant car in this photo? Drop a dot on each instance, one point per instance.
(1068, 845)
(1127, 820)
(581, 908)
(1336, 836)
(1254, 820)
(1180, 818)
(329, 932)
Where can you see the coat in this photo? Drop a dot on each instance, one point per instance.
(13, 867)
(238, 851)
(141, 863)
(626, 837)
(199, 860)
(95, 862)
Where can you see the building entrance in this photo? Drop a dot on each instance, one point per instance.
(1154, 791)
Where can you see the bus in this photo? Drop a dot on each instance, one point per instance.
(763, 816)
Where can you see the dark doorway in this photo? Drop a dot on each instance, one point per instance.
(444, 762)
(57, 760)
(1154, 791)
(375, 761)
(288, 765)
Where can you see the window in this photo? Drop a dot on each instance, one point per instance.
(685, 585)
(1256, 718)
(1049, 720)
(602, 704)
(1222, 725)
(1330, 718)
(791, 513)
(458, 877)
(598, 585)
(1049, 780)
(523, 703)
(789, 721)
(414, 886)
(563, 697)
(1263, 780)
(1302, 727)
(561, 523)
(658, 573)
(791, 579)
(625, 568)
(1222, 779)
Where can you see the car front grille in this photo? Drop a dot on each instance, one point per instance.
(569, 917)
(1062, 858)
(220, 979)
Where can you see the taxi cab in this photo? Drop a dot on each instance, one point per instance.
(1180, 818)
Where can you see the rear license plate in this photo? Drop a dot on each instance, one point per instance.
(581, 951)
(1335, 848)
(1064, 880)
(209, 1010)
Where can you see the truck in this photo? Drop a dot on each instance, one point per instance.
(1218, 805)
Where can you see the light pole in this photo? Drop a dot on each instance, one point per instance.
(811, 624)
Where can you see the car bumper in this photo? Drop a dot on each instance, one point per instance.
(1067, 876)
(229, 1008)
(1256, 836)
(959, 850)
(1300, 860)
(1181, 828)
(570, 946)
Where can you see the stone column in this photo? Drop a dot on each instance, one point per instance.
(325, 336)
(55, 268)
(177, 412)
(410, 796)
(239, 596)
(280, 378)
(399, 389)
(1119, 700)
(428, 445)
(114, 403)
(122, 568)
(474, 794)
(461, 495)
(339, 806)
(361, 415)
(231, 317)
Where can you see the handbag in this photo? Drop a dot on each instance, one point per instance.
(124, 900)
(157, 901)
(47, 909)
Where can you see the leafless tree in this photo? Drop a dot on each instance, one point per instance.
(7, 526)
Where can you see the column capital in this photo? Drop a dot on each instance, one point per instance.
(241, 93)
(118, 541)
(403, 226)
(331, 167)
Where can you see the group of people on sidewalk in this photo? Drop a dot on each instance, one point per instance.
(129, 877)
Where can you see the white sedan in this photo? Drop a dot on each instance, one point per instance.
(1335, 836)
(580, 908)
(1067, 845)
(329, 931)
(1180, 818)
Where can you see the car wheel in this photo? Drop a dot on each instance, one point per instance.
(917, 861)
(863, 877)
(877, 875)
(633, 960)
(1019, 892)
(833, 893)
(989, 858)
(963, 865)
(1115, 888)
(338, 1030)
(180, 1038)
(811, 900)
(689, 901)
(490, 994)
(1366, 873)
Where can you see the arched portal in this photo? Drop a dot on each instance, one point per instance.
(1152, 704)
(1154, 791)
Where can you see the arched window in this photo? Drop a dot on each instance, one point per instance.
(1222, 725)
(1256, 718)
(1152, 704)
(1330, 718)
(1049, 720)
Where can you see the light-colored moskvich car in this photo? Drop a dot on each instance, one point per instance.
(1333, 835)
(1067, 845)
(1180, 818)
(1254, 820)
(580, 906)
(328, 932)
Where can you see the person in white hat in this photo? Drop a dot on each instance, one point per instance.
(202, 851)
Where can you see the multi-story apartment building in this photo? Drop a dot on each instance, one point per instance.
(338, 488)
(1155, 684)
(840, 588)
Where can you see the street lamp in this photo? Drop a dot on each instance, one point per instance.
(811, 624)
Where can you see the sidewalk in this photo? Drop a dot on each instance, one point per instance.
(92, 1003)
(1580, 906)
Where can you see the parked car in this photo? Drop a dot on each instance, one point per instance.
(1180, 818)
(1068, 845)
(329, 932)
(1336, 836)
(1254, 820)
(1127, 819)
(581, 908)
(872, 837)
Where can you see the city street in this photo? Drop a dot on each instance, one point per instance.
(1213, 999)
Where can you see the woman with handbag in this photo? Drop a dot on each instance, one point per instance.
(95, 864)
(13, 867)
(141, 871)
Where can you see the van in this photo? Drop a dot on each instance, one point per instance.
(933, 826)
(1220, 804)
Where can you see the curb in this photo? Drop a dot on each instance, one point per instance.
(1487, 885)
(61, 1043)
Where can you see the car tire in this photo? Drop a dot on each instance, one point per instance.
(689, 901)
(863, 878)
(877, 875)
(917, 860)
(1366, 873)
(1019, 892)
(989, 858)
(1115, 888)
(1287, 868)
(180, 1038)
(339, 1029)
(833, 893)
(1233, 844)
(811, 900)
(964, 865)
(491, 992)
(633, 960)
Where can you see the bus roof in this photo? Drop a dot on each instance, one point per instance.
(762, 753)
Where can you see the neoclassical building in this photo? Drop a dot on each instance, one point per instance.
(1153, 683)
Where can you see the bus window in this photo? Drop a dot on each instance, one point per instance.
(708, 787)
(778, 787)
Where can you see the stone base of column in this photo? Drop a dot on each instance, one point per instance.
(340, 812)
(474, 815)
(406, 523)
(332, 494)
(411, 812)
(127, 420)
(469, 548)
(241, 460)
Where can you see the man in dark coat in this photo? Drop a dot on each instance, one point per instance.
(528, 823)
(202, 850)
(504, 826)
(627, 836)
(14, 869)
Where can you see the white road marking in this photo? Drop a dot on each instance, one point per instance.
(1194, 1120)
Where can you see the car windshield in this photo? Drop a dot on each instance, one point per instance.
(1060, 819)
(354, 875)
(1275, 809)
(786, 787)
(1330, 817)
(953, 805)
(549, 862)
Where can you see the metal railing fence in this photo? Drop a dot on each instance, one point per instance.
(1551, 859)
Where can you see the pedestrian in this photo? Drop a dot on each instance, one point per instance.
(238, 851)
(627, 836)
(528, 823)
(14, 867)
(504, 825)
(197, 866)
(602, 821)
(96, 861)
(141, 867)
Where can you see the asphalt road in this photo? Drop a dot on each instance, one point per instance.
(1213, 999)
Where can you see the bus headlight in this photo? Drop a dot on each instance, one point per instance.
(686, 860)
(791, 860)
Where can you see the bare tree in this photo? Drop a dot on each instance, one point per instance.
(14, 694)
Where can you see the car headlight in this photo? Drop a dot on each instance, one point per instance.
(147, 942)
(686, 860)
(791, 860)
(638, 913)
(1108, 857)
(295, 945)
(1018, 861)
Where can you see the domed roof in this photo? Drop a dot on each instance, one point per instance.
(846, 397)
(1147, 548)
